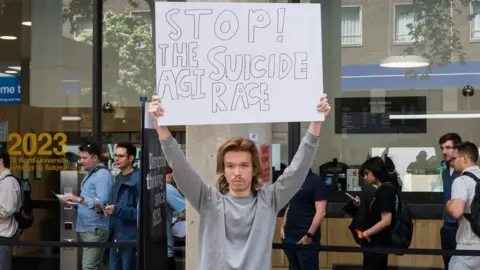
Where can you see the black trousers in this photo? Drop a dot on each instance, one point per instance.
(449, 242)
(171, 263)
(375, 261)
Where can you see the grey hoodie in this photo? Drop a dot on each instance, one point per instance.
(10, 202)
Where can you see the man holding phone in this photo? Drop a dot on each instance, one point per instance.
(301, 222)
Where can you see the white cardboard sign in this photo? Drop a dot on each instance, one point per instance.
(232, 63)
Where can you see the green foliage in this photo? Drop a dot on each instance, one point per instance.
(435, 35)
(130, 37)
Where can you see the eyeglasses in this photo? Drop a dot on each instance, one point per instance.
(119, 156)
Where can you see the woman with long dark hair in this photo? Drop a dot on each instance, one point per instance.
(378, 217)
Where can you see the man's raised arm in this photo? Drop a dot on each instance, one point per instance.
(294, 175)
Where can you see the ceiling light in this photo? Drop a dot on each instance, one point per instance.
(15, 68)
(435, 116)
(11, 71)
(404, 61)
(71, 118)
(27, 23)
(8, 37)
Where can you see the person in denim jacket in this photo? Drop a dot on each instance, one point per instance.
(96, 187)
(123, 210)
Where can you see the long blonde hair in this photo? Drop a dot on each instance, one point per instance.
(239, 144)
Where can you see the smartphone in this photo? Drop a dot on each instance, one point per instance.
(350, 196)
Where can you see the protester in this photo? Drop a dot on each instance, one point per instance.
(237, 220)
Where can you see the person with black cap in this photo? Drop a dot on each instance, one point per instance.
(10, 203)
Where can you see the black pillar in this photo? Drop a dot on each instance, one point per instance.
(293, 139)
(97, 70)
(293, 129)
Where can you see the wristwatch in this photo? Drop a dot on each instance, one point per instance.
(309, 235)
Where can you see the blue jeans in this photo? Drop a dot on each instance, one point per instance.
(299, 259)
(123, 259)
(464, 263)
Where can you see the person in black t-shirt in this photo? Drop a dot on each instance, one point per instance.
(305, 213)
(379, 214)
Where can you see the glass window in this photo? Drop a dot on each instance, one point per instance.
(382, 106)
(146, 15)
(82, 24)
(404, 17)
(45, 105)
(476, 21)
(351, 25)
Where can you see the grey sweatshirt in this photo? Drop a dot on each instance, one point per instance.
(236, 233)
(10, 202)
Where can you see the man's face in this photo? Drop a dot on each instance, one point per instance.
(238, 170)
(122, 159)
(87, 160)
(447, 150)
(458, 163)
(169, 178)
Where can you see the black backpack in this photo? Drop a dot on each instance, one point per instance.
(402, 224)
(474, 216)
(24, 216)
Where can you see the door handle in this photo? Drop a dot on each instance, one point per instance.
(71, 241)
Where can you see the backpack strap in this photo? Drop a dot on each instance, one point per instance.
(20, 182)
(474, 177)
(471, 175)
(96, 169)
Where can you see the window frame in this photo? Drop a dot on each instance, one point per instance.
(471, 8)
(360, 19)
(394, 24)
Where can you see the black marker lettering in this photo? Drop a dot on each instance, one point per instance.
(256, 19)
(258, 72)
(233, 68)
(244, 97)
(197, 89)
(261, 96)
(179, 51)
(239, 94)
(300, 69)
(219, 69)
(226, 25)
(196, 13)
(285, 65)
(192, 54)
(271, 65)
(184, 87)
(218, 89)
(264, 96)
(163, 53)
(176, 32)
(189, 85)
(167, 80)
(247, 70)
